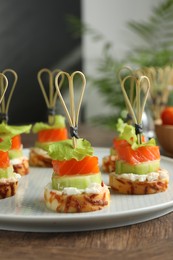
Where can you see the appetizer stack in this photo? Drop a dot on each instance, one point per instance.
(17, 159)
(76, 184)
(138, 166)
(109, 161)
(8, 178)
(47, 133)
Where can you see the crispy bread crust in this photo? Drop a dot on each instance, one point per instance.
(108, 163)
(22, 168)
(84, 202)
(125, 186)
(39, 160)
(8, 189)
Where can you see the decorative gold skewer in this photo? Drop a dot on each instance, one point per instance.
(130, 72)
(137, 115)
(73, 116)
(4, 85)
(132, 88)
(161, 80)
(51, 98)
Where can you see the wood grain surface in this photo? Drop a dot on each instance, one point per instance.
(148, 240)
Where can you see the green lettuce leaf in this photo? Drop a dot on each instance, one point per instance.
(130, 136)
(11, 131)
(59, 123)
(5, 144)
(120, 125)
(64, 150)
(151, 142)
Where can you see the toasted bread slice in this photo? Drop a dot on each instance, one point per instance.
(128, 186)
(39, 158)
(84, 202)
(108, 163)
(8, 187)
(21, 167)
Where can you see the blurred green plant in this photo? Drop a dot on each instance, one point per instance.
(156, 50)
(157, 37)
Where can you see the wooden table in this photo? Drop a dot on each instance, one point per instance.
(149, 240)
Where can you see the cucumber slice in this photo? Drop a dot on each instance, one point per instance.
(15, 154)
(79, 182)
(7, 172)
(141, 168)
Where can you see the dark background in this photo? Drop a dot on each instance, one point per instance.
(34, 35)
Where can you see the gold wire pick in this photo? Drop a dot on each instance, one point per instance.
(51, 97)
(136, 113)
(73, 116)
(5, 84)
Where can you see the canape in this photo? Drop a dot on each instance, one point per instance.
(109, 161)
(8, 178)
(17, 158)
(76, 185)
(138, 168)
(46, 134)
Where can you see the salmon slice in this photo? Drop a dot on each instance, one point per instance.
(139, 155)
(4, 160)
(89, 165)
(16, 142)
(52, 135)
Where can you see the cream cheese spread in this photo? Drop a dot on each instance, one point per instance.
(152, 176)
(93, 188)
(18, 160)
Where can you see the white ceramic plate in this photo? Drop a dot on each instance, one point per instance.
(26, 211)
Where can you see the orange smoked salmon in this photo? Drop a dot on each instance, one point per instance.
(16, 142)
(139, 155)
(4, 160)
(89, 165)
(52, 135)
